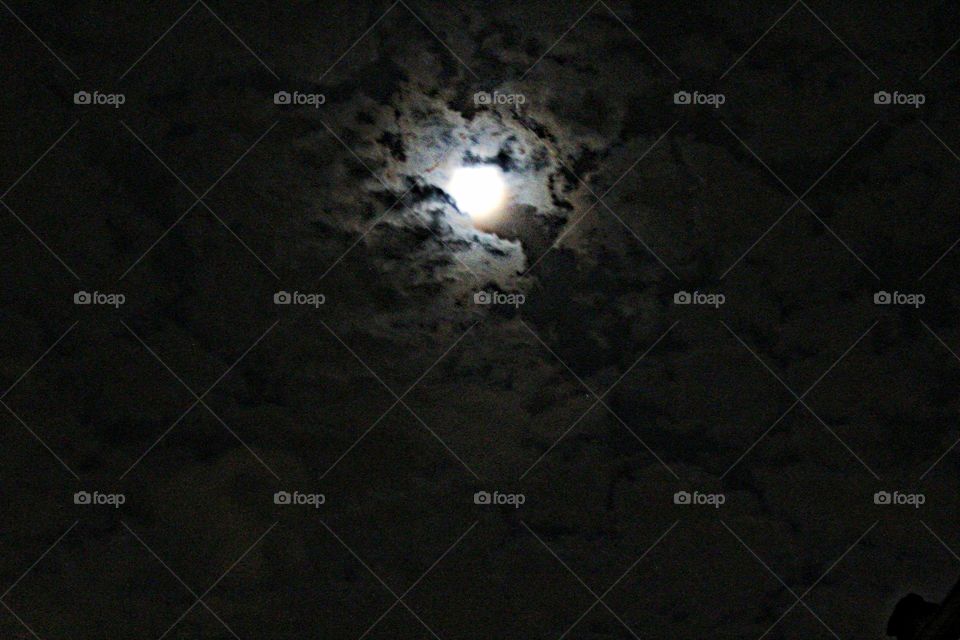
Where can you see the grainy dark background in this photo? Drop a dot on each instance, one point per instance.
(798, 199)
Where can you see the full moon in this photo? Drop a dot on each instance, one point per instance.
(480, 192)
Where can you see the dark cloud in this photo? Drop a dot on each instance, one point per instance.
(583, 385)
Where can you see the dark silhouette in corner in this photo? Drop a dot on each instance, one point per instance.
(916, 619)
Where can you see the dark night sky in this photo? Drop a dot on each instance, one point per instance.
(597, 399)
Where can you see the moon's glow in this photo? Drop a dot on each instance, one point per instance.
(480, 192)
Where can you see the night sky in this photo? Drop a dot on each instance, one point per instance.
(268, 372)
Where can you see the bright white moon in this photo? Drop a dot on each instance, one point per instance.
(478, 191)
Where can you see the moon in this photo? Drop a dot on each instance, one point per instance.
(480, 192)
